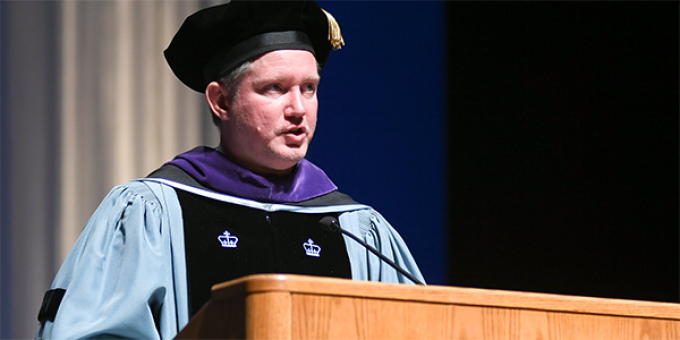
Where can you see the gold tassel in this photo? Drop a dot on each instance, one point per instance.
(334, 34)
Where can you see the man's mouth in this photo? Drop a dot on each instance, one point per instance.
(296, 131)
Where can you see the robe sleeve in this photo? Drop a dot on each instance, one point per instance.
(118, 277)
(378, 233)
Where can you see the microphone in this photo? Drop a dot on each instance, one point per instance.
(331, 224)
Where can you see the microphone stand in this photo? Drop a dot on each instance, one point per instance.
(330, 223)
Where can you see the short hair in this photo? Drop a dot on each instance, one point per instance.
(232, 81)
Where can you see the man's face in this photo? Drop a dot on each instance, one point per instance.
(272, 119)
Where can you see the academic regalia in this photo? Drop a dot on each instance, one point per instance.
(127, 274)
(133, 271)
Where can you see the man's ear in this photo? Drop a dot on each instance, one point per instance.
(217, 97)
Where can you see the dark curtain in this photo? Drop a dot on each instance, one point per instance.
(563, 147)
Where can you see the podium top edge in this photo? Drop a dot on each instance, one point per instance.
(313, 285)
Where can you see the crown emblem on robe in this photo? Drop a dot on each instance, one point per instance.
(227, 241)
(312, 249)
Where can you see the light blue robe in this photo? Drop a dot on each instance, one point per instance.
(126, 275)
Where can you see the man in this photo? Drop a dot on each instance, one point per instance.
(147, 258)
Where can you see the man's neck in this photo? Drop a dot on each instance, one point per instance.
(259, 170)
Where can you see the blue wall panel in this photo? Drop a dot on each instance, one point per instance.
(381, 130)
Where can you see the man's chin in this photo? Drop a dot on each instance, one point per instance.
(293, 153)
(285, 161)
(292, 160)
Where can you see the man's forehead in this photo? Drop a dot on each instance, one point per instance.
(285, 63)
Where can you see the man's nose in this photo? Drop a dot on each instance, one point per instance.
(296, 104)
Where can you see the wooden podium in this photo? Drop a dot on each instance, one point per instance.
(275, 306)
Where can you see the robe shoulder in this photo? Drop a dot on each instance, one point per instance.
(119, 277)
(377, 232)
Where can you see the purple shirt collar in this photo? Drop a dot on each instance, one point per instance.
(215, 171)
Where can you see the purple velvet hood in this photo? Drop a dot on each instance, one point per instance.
(215, 171)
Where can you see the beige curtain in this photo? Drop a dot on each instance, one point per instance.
(110, 111)
(123, 111)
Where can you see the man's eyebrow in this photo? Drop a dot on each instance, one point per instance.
(268, 79)
(283, 78)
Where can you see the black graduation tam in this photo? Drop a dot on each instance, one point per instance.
(216, 40)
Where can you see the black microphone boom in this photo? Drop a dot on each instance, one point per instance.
(330, 223)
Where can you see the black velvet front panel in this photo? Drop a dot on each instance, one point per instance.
(267, 243)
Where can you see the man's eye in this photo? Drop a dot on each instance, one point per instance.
(274, 87)
(310, 88)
